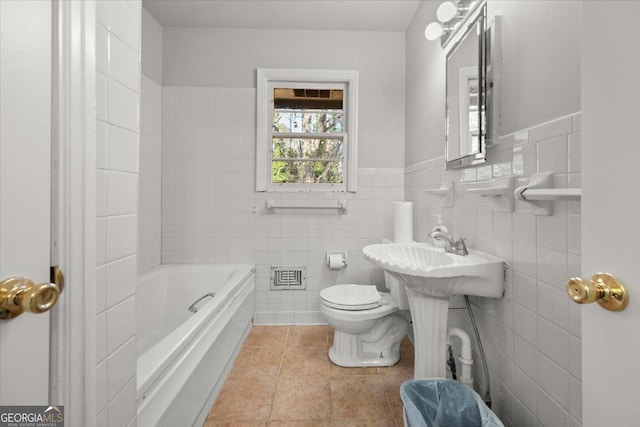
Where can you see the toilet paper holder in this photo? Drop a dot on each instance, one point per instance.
(336, 260)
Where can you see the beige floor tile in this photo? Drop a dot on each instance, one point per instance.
(392, 391)
(300, 423)
(253, 361)
(359, 398)
(244, 399)
(399, 420)
(339, 371)
(234, 424)
(267, 336)
(406, 342)
(302, 398)
(316, 335)
(305, 361)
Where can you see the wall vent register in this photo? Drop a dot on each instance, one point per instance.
(288, 278)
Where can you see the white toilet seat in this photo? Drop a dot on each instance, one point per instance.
(351, 297)
(350, 307)
(359, 315)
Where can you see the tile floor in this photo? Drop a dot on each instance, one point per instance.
(283, 377)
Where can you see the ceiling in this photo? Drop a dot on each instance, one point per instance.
(347, 15)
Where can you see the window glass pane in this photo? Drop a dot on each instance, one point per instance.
(306, 172)
(307, 148)
(308, 121)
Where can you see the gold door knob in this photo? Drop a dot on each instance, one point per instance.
(603, 288)
(18, 294)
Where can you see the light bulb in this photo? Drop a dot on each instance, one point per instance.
(446, 11)
(433, 31)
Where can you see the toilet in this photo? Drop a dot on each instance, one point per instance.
(368, 324)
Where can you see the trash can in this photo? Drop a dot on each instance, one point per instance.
(444, 403)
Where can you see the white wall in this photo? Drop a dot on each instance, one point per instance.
(541, 43)
(150, 203)
(151, 47)
(532, 335)
(205, 57)
(425, 91)
(117, 127)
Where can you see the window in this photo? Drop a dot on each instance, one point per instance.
(306, 130)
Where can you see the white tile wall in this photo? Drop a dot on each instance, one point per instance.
(212, 214)
(118, 94)
(532, 335)
(149, 224)
(122, 153)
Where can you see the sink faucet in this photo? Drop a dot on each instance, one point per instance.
(457, 247)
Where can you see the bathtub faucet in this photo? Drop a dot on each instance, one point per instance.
(193, 308)
(457, 247)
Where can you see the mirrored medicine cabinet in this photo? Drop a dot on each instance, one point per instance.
(469, 90)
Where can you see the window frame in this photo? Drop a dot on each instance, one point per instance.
(266, 78)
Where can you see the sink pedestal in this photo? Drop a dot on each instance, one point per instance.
(429, 315)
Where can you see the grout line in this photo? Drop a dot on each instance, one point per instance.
(384, 390)
(286, 338)
(275, 390)
(282, 354)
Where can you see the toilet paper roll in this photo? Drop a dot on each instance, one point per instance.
(336, 262)
(402, 222)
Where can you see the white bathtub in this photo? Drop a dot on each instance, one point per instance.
(183, 357)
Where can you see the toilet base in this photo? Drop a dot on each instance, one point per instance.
(378, 347)
(363, 359)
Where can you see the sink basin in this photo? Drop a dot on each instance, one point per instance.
(435, 272)
(431, 275)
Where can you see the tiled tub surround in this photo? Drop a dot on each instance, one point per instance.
(149, 202)
(212, 214)
(531, 336)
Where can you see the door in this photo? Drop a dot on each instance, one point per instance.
(25, 191)
(611, 208)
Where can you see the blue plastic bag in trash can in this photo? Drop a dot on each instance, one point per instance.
(444, 403)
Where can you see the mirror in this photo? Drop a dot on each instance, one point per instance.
(467, 94)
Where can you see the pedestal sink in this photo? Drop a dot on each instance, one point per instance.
(431, 276)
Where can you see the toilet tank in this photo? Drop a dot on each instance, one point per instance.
(397, 290)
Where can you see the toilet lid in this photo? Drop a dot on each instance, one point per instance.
(351, 297)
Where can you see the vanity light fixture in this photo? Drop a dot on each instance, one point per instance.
(433, 31)
(446, 11)
(450, 14)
